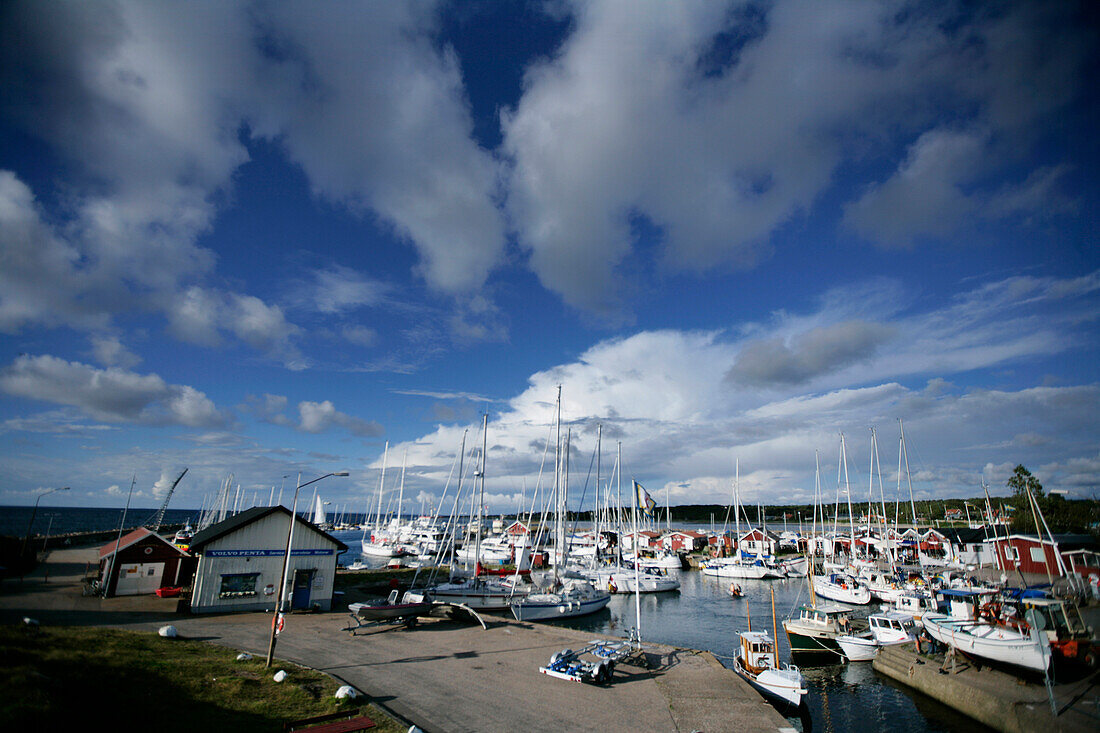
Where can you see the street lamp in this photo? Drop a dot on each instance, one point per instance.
(286, 560)
(34, 512)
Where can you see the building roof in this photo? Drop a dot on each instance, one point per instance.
(1065, 541)
(231, 524)
(132, 538)
(967, 536)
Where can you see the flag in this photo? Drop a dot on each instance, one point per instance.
(645, 501)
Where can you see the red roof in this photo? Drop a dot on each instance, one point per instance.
(132, 539)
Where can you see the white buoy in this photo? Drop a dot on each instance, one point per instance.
(244, 657)
(168, 632)
(279, 676)
(346, 691)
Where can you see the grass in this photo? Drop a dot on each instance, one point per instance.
(69, 677)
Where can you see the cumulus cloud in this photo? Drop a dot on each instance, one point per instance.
(150, 111)
(112, 395)
(109, 350)
(716, 124)
(317, 417)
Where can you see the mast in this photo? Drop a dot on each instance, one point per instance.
(401, 489)
(908, 477)
(481, 497)
(737, 509)
(848, 494)
(381, 482)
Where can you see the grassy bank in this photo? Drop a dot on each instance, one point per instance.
(68, 677)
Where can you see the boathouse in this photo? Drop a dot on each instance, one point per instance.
(1033, 554)
(140, 562)
(645, 539)
(240, 563)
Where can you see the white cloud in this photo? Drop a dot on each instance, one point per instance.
(112, 395)
(719, 123)
(317, 417)
(109, 350)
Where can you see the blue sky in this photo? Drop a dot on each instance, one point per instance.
(261, 239)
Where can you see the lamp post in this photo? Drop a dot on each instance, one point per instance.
(286, 561)
(34, 512)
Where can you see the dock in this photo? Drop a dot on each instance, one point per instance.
(442, 675)
(995, 698)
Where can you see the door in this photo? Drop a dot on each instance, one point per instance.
(303, 582)
(139, 578)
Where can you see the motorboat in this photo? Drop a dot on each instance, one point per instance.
(884, 629)
(916, 603)
(842, 588)
(858, 647)
(883, 586)
(758, 663)
(574, 598)
(816, 628)
(992, 641)
(734, 567)
(411, 606)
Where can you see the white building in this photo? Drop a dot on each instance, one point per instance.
(240, 563)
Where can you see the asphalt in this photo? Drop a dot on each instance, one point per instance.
(442, 675)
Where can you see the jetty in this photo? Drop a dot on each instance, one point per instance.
(1002, 701)
(442, 675)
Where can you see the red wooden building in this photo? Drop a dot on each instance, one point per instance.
(145, 561)
(1032, 554)
(683, 541)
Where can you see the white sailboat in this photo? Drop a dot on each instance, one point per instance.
(380, 544)
(573, 597)
(739, 566)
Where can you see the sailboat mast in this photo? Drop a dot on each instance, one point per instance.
(908, 476)
(480, 497)
(381, 483)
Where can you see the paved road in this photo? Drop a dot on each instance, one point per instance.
(442, 675)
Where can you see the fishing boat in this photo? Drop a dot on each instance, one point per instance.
(860, 647)
(758, 662)
(182, 538)
(988, 640)
(816, 628)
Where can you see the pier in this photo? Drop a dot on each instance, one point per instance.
(997, 699)
(442, 676)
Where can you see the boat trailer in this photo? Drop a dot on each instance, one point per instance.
(595, 662)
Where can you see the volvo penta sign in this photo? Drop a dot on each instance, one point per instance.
(265, 553)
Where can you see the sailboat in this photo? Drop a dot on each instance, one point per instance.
(479, 592)
(380, 544)
(839, 586)
(758, 663)
(564, 598)
(739, 566)
(319, 519)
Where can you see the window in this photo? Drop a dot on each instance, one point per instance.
(240, 585)
(1037, 554)
(1010, 552)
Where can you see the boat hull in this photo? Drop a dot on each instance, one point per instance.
(808, 642)
(774, 685)
(384, 611)
(535, 608)
(857, 648)
(987, 641)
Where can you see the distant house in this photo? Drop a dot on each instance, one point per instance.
(683, 541)
(240, 563)
(756, 542)
(969, 546)
(646, 539)
(140, 562)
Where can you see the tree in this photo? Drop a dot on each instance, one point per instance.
(1020, 482)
